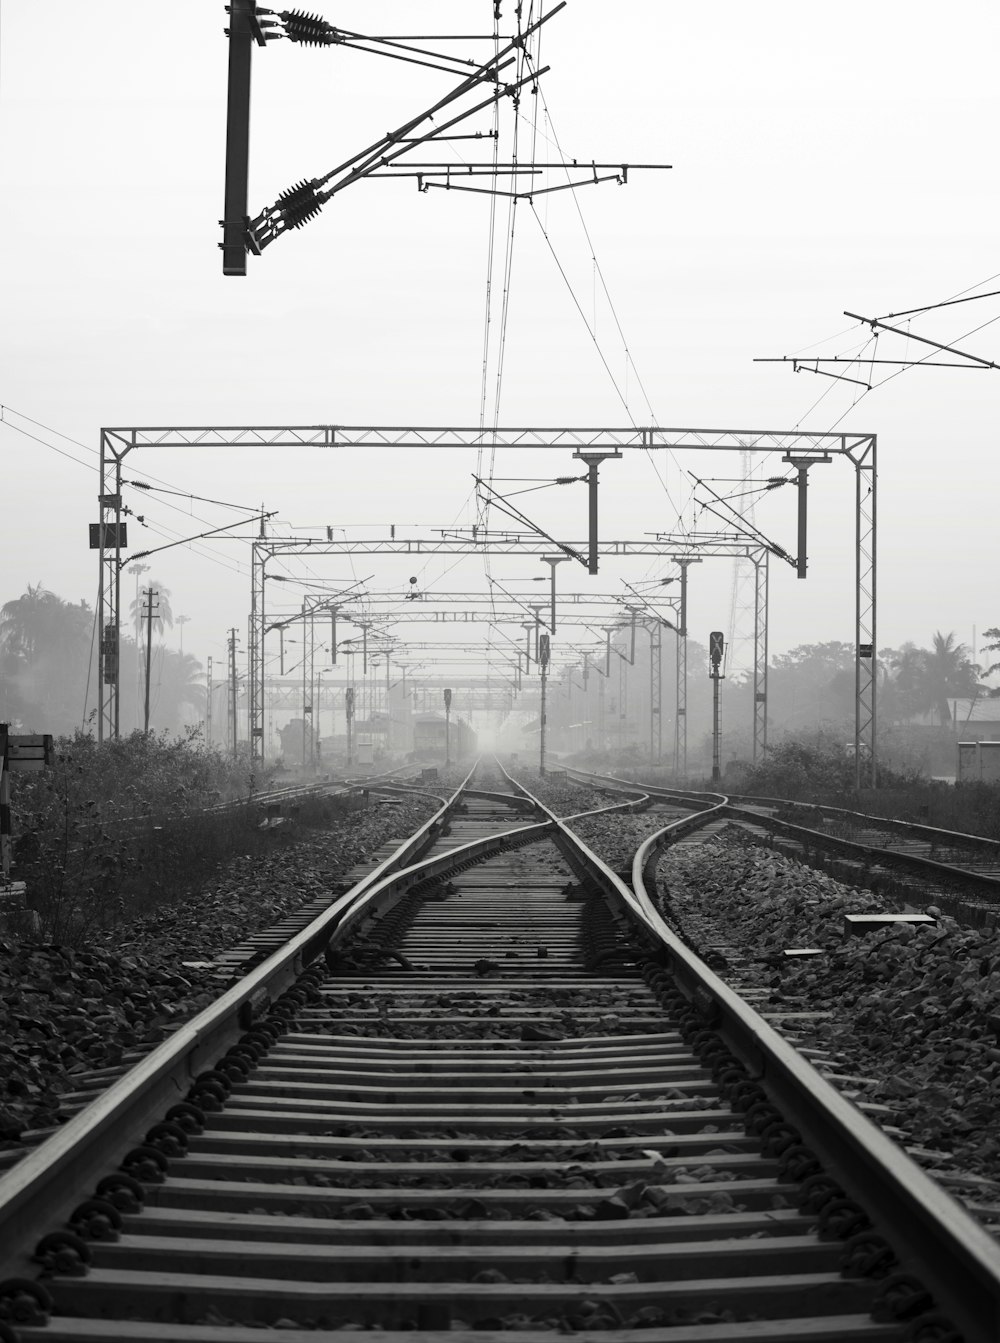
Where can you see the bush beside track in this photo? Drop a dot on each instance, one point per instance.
(67, 1011)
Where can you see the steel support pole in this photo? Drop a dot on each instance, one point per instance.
(308, 665)
(233, 696)
(680, 724)
(655, 691)
(109, 592)
(255, 714)
(541, 724)
(6, 852)
(803, 483)
(148, 617)
(552, 561)
(683, 562)
(208, 702)
(761, 568)
(242, 25)
(716, 747)
(593, 461)
(865, 742)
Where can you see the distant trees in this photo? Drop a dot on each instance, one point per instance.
(45, 656)
(994, 647)
(48, 669)
(176, 689)
(812, 684)
(923, 680)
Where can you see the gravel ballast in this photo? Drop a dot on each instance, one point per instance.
(914, 1012)
(67, 1013)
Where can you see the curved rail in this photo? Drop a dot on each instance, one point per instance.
(973, 882)
(944, 1243)
(39, 1189)
(727, 1038)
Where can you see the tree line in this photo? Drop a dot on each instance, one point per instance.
(49, 676)
(49, 668)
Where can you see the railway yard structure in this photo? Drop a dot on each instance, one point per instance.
(544, 915)
(493, 1080)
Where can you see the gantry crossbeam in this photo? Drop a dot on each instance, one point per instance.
(800, 446)
(595, 438)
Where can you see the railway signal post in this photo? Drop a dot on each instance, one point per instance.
(716, 645)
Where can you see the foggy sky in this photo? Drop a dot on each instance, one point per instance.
(822, 161)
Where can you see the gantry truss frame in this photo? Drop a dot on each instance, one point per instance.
(683, 550)
(800, 447)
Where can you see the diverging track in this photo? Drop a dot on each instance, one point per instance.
(483, 1102)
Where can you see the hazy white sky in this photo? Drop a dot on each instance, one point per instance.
(823, 160)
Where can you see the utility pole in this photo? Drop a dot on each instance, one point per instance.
(233, 721)
(447, 727)
(543, 661)
(680, 721)
(208, 702)
(137, 569)
(149, 610)
(307, 685)
(349, 714)
(716, 645)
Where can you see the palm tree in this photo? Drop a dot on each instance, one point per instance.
(45, 646)
(162, 614)
(177, 689)
(948, 673)
(991, 648)
(908, 683)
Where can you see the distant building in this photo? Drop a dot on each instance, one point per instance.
(971, 719)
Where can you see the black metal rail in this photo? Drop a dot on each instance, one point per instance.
(963, 889)
(488, 1090)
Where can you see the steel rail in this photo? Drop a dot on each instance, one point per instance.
(43, 1188)
(932, 833)
(977, 882)
(936, 1238)
(374, 900)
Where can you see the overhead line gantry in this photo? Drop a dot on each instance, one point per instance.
(801, 448)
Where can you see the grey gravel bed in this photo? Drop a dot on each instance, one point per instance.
(65, 1012)
(913, 1010)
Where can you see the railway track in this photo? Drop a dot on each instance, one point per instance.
(919, 864)
(485, 1090)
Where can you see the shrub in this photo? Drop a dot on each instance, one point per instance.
(116, 825)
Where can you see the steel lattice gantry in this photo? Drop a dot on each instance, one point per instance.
(719, 545)
(801, 447)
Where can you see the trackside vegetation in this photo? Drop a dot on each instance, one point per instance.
(116, 829)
